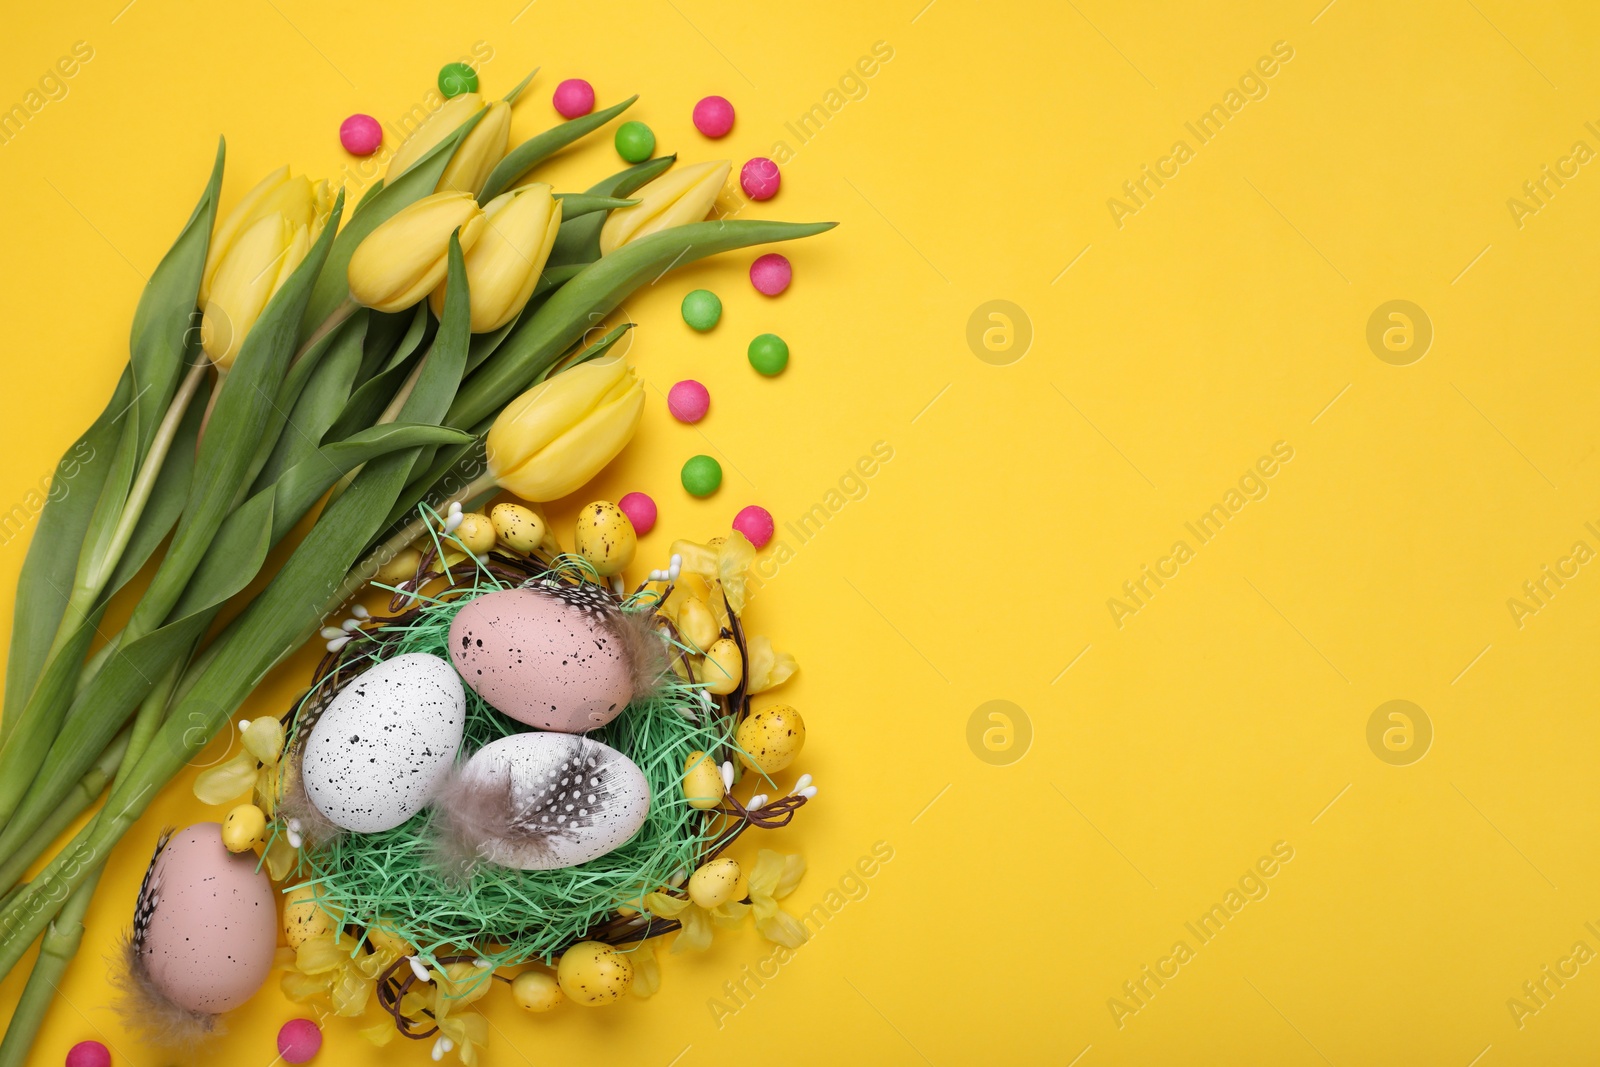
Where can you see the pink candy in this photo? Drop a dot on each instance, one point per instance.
(361, 135)
(641, 511)
(574, 97)
(299, 1040)
(88, 1054)
(771, 274)
(760, 179)
(688, 401)
(713, 116)
(756, 524)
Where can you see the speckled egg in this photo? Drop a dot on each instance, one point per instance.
(206, 926)
(770, 739)
(545, 801)
(543, 659)
(384, 747)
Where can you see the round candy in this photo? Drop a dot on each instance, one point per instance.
(88, 1054)
(455, 79)
(635, 142)
(769, 354)
(299, 1039)
(701, 309)
(760, 178)
(361, 135)
(688, 401)
(755, 523)
(641, 511)
(574, 97)
(771, 274)
(701, 475)
(713, 116)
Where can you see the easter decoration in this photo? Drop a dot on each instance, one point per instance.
(523, 771)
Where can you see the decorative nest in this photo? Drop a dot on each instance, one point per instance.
(497, 916)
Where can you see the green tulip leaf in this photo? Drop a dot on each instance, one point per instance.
(579, 240)
(535, 150)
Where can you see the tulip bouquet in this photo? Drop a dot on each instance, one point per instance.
(420, 347)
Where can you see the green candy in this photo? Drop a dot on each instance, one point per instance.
(457, 78)
(769, 354)
(702, 309)
(702, 475)
(635, 142)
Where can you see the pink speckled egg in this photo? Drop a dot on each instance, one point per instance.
(206, 925)
(547, 659)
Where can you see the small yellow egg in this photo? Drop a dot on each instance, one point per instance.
(697, 625)
(715, 883)
(536, 991)
(244, 828)
(593, 974)
(303, 918)
(476, 532)
(702, 782)
(462, 982)
(519, 528)
(402, 566)
(605, 537)
(385, 940)
(723, 669)
(770, 739)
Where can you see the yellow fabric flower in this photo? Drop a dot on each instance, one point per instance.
(772, 878)
(646, 970)
(722, 563)
(768, 669)
(697, 922)
(324, 967)
(254, 766)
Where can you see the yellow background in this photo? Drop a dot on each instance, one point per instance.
(1229, 313)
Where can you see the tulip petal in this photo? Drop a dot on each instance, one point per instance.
(661, 198)
(433, 129)
(478, 155)
(537, 417)
(243, 214)
(579, 454)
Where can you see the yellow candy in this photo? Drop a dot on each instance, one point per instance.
(303, 918)
(771, 738)
(702, 782)
(476, 532)
(536, 991)
(401, 568)
(715, 883)
(697, 625)
(605, 537)
(723, 669)
(519, 528)
(244, 828)
(594, 974)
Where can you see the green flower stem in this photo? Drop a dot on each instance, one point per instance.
(84, 793)
(64, 935)
(362, 572)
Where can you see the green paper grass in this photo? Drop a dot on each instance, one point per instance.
(510, 916)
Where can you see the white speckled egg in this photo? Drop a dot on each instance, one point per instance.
(384, 746)
(543, 658)
(544, 801)
(207, 925)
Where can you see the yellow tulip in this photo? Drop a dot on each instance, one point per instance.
(483, 148)
(253, 253)
(504, 265)
(435, 128)
(406, 257)
(556, 436)
(680, 196)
